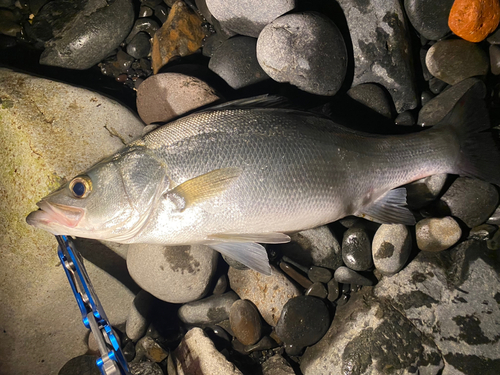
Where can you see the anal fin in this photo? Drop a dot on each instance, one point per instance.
(389, 209)
(250, 254)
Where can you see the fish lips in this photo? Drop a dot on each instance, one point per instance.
(54, 214)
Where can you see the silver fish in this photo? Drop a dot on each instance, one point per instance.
(236, 176)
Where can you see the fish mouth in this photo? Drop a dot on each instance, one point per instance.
(55, 213)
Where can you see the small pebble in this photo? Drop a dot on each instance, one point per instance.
(425, 97)
(391, 248)
(495, 217)
(495, 59)
(494, 242)
(429, 17)
(139, 46)
(356, 249)
(483, 232)
(317, 290)
(145, 11)
(345, 275)
(319, 274)
(138, 317)
(129, 351)
(344, 298)
(277, 365)
(436, 85)
(425, 190)
(245, 322)
(210, 310)
(494, 38)
(145, 368)
(146, 25)
(373, 96)
(295, 264)
(333, 290)
(265, 343)
(161, 12)
(437, 234)
(221, 285)
(405, 118)
(295, 275)
(474, 20)
(151, 349)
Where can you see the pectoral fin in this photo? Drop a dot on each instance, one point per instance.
(389, 209)
(251, 237)
(203, 187)
(250, 254)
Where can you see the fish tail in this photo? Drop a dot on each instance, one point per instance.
(479, 153)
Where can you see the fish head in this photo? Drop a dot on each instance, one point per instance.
(111, 201)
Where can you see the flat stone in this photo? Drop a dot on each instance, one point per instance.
(474, 20)
(391, 248)
(210, 310)
(356, 249)
(428, 17)
(437, 234)
(373, 96)
(345, 275)
(245, 322)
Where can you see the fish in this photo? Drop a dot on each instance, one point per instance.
(247, 173)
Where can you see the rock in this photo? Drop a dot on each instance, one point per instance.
(316, 290)
(138, 317)
(221, 285)
(494, 38)
(372, 96)
(147, 25)
(437, 108)
(426, 97)
(437, 234)
(470, 200)
(176, 274)
(81, 365)
(374, 25)
(429, 18)
(319, 274)
(295, 275)
(235, 61)
(10, 25)
(151, 349)
(303, 321)
(495, 217)
(277, 365)
(162, 97)
(369, 338)
(181, 35)
(161, 12)
(454, 60)
(405, 118)
(145, 368)
(425, 190)
(139, 46)
(333, 290)
(316, 246)
(436, 85)
(452, 298)
(245, 322)
(268, 293)
(81, 35)
(296, 48)
(391, 248)
(196, 354)
(51, 132)
(248, 17)
(345, 275)
(265, 343)
(145, 11)
(495, 59)
(483, 232)
(474, 20)
(356, 249)
(210, 310)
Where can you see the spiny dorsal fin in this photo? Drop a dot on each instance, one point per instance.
(389, 209)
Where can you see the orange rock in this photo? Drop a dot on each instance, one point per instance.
(474, 20)
(182, 34)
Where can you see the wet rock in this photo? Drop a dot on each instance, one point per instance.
(425, 190)
(295, 275)
(162, 97)
(147, 25)
(181, 35)
(145, 368)
(391, 248)
(451, 298)
(474, 20)
(161, 12)
(81, 365)
(295, 48)
(483, 232)
(268, 293)
(265, 343)
(436, 85)
(405, 118)
(83, 34)
(429, 18)
(374, 25)
(372, 96)
(277, 365)
(345, 275)
(176, 274)
(245, 322)
(138, 317)
(371, 337)
(210, 310)
(356, 249)
(197, 354)
(250, 16)
(470, 200)
(437, 234)
(317, 290)
(319, 274)
(454, 60)
(333, 290)
(235, 61)
(425, 97)
(495, 217)
(495, 59)
(151, 349)
(303, 321)
(145, 11)
(139, 46)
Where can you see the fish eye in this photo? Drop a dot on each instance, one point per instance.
(80, 186)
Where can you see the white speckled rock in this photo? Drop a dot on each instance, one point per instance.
(437, 234)
(391, 247)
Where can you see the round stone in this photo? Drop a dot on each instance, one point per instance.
(306, 50)
(391, 248)
(245, 322)
(474, 20)
(356, 249)
(139, 46)
(345, 275)
(437, 234)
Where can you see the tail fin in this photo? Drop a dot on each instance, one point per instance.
(479, 150)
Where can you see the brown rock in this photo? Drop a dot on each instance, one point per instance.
(245, 322)
(474, 20)
(181, 35)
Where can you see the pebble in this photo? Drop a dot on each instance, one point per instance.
(303, 321)
(495, 59)
(149, 348)
(245, 322)
(277, 365)
(210, 310)
(494, 38)
(235, 61)
(373, 96)
(356, 249)
(147, 25)
(296, 48)
(181, 35)
(81, 365)
(138, 316)
(429, 17)
(221, 285)
(248, 17)
(483, 232)
(454, 60)
(345, 275)
(161, 12)
(268, 293)
(295, 275)
(164, 96)
(436, 85)
(437, 234)
(494, 242)
(145, 11)
(495, 217)
(319, 274)
(145, 368)
(10, 25)
(391, 248)
(426, 97)
(405, 118)
(423, 191)
(139, 46)
(176, 274)
(317, 290)
(470, 200)
(474, 20)
(333, 290)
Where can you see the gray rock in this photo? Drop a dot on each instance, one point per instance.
(437, 234)
(277, 365)
(147, 25)
(495, 59)
(494, 38)
(356, 249)
(374, 25)
(372, 96)
(248, 17)
(454, 60)
(210, 310)
(436, 85)
(437, 108)
(452, 298)
(333, 290)
(495, 217)
(221, 285)
(165, 96)
(235, 61)
(145, 368)
(470, 200)
(483, 232)
(296, 48)
(87, 33)
(428, 17)
(319, 274)
(391, 248)
(405, 118)
(138, 317)
(176, 274)
(139, 46)
(371, 337)
(425, 190)
(345, 275)
(81, 365)
(426, 97)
